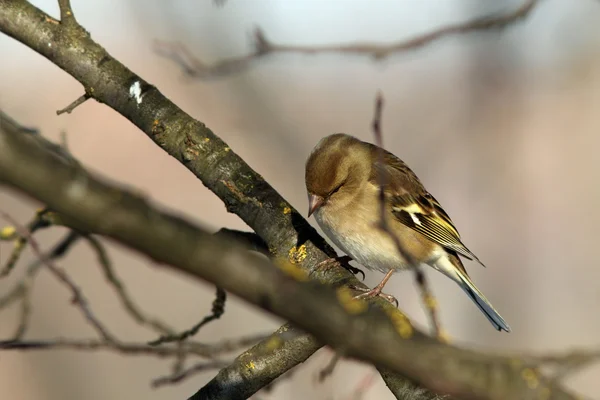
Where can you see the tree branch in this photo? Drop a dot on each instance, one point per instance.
(262, 47)
(355, 328)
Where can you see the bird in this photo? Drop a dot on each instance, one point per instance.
(343, 184)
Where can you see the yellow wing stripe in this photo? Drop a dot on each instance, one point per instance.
(433, 227)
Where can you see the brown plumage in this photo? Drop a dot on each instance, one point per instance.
(342, 184)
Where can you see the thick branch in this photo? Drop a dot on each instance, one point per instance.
(355, 328)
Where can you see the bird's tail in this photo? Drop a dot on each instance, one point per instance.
(478, 298)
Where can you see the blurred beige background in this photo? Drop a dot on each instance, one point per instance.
(502, 127)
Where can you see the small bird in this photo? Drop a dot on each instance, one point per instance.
(342, 181)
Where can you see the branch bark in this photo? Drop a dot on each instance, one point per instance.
(354, 328)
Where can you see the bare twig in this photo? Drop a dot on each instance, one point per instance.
(25, 311)
(61, 275)
(39, 221)
(22, 290)
(66, 12)
(218, 308)
(196, 68)
(426, 293)
(330, 367)
(68, 109)
(207, 350)
(126, 300)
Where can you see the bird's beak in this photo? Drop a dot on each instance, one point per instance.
(314, 202)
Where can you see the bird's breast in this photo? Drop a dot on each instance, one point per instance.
(357, 235)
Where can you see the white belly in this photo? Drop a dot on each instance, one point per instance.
(372, 248)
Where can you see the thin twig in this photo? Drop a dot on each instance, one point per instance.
(126, 300)
(25, 311)
(58, 251)
(330, 367)
(79, 101)
(208, 350)
(66, 12)
(261, 46)
(39, 221)
(78, 298)
(426, 293)
(218, 308)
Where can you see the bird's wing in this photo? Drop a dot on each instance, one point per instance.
(417, 209)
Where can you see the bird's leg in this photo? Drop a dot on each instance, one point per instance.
(376, 291)
(344, 262)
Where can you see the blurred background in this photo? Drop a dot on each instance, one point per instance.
(501, 126)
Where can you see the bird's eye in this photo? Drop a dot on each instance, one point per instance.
(338, 187)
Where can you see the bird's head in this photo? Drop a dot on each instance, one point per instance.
(334, 171)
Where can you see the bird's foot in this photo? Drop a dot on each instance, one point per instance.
(376, 291)
(344, 261)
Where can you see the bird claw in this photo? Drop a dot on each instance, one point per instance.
(344, 261)
(370, 293)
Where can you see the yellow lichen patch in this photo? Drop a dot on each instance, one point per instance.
(443, 336)
(226, 149)
(292, 270)
(297, 254)
(192, 152)
(206, 140)
(401, 323)
(250, 365)
(157, 127)
(530, 378)
(8, 233)
(287, 210)
(350, 304)
(430, 302)
(274, 343)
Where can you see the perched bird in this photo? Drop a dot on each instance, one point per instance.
(343, 189)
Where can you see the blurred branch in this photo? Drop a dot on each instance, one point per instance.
(262, 47)
(427, 297)
(354, 328)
